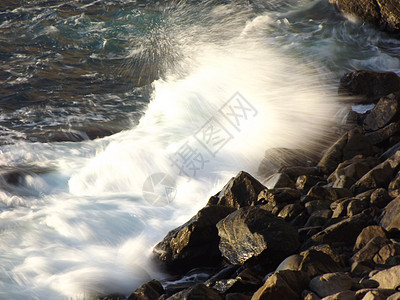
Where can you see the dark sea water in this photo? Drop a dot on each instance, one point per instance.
(98, 98)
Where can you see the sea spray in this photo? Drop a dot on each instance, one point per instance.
(225, 94)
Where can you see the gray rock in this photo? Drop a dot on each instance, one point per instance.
(252, 232)
(331, 283)
(193, 244)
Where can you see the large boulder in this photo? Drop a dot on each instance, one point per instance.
(331, 283)
(240, 191)
(252, 232)
(151, 290)
(383, 13)
(389, 278)
(391, 215)
(194, 244)
(383, 113)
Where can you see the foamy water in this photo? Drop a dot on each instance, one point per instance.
(78, 224)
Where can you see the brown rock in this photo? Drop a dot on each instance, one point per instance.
(328, 193)
(274, 200)
(290, 211)
(394, 188)
(391, 215)
(356, 206)
(199, 291)
(387, 252)
(383, 113)
(305, 182)
(380, 197)
(151, 290)
(316, 205)
(344, 295)
(279, 180)
(331, 283)
(367, 234)
(383, 134)
(240, 191)
(380, 294)
(395, 296)
(367, 253)
(389, 278)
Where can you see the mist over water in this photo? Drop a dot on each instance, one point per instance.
(230, 82)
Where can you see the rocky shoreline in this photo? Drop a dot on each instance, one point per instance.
(323, 231)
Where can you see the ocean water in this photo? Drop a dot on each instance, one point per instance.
(119, 119)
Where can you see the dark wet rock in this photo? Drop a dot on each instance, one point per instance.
(240, 191)
(279, 180)
(290, 211)
(282, 285)
(308, 295)
(389, 152)
(365, 196)
(237, 296)
(274, 200)
(380, 176)
(383, 134)
(380, 197)
(368, 233)
(339, 207)
(391, 215)
(331, 283)
(252, 232)
(236, 285)
(368, 85)
(151, 290)
(352, 143)
(317, 205)
(394, 189)
(319, 218)
(383, 13)
(349, 171)
(383, 113)
(294, 172)
(198, 292)
(305, 182)
(328, 193)
(277, 158)
(345, 231)
(387, 253)
(193, 244)
(389, 278)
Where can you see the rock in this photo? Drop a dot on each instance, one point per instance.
(356, 206)
(282, 285)
(151, 290)
(383, 113)
(316, 205)
(395, 296)
(367, 253)
(380, 176)
(386, 253)
(274, 200)
(319, 218)
(394, 189)
(367, 234)
(382, 13)
(328, 193)
(305, 182)
(391, 215)
(349, 171)
(290, 211)
(352, 143)
(312, 262)
(331, 283)
(380, 197)
(389, 278)
(193, 244)
(294, 172)
(339, 207)
(252, 232)
(240, 191)
(383, 134)
(277, 158)
(308, 295)
(279, 180)
(197, 292)
(379, 294)
(237, 296)
(226, 286)
(344, 295)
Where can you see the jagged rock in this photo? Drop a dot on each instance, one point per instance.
(367, 234)
(151, 290)
(240, 191)
(367, 253)
(382, 13)
(349, 171)
(199, 291)
(380, 197)
(331, 283)
(379, 176)
(389, 278)
(339, 207)
(376, 294)
(274, 200)
(235, 285)
(193, 244)
(383, 113)
(305, 182)
(386, 253)
(282, 285)
(368, 85)
(394, 187)
(277, 158)
(391, 215)
(345, 231)
(328, 193)
(344, 295)
(352, 143)
(252, 232)
(356, 206)
(383, 134)
(290, 211)
(279, 180)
